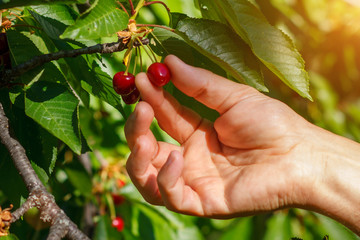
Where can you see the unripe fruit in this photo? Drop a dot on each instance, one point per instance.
(124, 84)
(32, 217)
(118, 223)
(158, 74)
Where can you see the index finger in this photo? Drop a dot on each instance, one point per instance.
(208, 88)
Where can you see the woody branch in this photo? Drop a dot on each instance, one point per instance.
(9, 75)
(39, 197)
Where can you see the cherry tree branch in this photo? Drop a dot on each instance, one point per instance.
(39, 197)
(9, 75)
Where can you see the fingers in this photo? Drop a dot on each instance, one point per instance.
(144, 148)
(139, 124)
(141, 170)
(175, 194)
(178, 121)
(210, 89)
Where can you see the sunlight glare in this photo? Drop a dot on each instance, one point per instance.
(354, 2)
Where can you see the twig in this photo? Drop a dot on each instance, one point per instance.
(11, 74)
(132, 8)
(39, 197)
(154, 25)
(153, 2)
(123, 8)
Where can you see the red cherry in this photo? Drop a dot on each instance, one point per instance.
(117, 199)
(131, 98)
(120, 183)
(118, 223)
(124, 84)
(158, 74)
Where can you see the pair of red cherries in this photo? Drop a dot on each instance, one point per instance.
(124, 83)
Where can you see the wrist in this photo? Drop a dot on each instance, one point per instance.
(332, 187)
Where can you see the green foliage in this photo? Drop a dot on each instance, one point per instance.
(170, 43)
(102, 21)
(63, 108)
(10, 237)
(55, 108)
(19, 3)
(224, 47)
(269, 44)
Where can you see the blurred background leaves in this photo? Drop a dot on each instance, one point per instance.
(326, 33)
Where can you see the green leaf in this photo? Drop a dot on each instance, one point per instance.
(79, 178)
(19, 3)
(101, 86)
(219, 43)
(170, 43)
(209, 10)
(163, 224)
(278, 227)
(49, 149)
(160, 223)
(175, 18)
(241, 230)
(167, 42)
(103, 20)
(334, 229)
(10, 237)
(83, 73)
(23, 47)
(55, 108)
(54, 19)
(273, 47)
(44, 178)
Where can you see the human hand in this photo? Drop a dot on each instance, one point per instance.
(246, 162)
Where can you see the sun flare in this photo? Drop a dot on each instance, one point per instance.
(353, 2)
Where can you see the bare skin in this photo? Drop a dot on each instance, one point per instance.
(258, 156)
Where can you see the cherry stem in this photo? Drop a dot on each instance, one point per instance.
(123, 8)
(128, 63)
(136, 57)
(111, 205)
(162, 3)
(151, 57)
(159, 42)
(155, 25)
(140, 58)
(132, 8)
(153, 2)
(152, 52)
